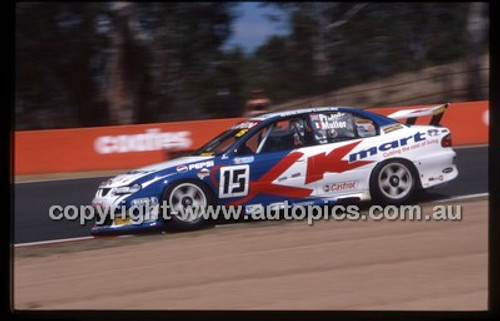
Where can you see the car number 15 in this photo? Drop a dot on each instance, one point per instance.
(234, 181)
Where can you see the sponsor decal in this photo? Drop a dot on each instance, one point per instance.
(185, 168)
(437, 178)
(433, 132)
(144, 201)
(290, 113)
(362, 127)
(246, 125)
(432, 141)
(393, 152)
(391, 128)
(152, 140)
(201, 165)
(357, 156)
(243, 160)
(330, 121)
(311, 110)
(241, 132)
(203, 173)
(336, 187)
(365, 128)
(332, 162)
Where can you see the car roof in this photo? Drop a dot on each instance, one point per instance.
(381, 120)
(286, 113)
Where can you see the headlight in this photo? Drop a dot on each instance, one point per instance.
(128, 189)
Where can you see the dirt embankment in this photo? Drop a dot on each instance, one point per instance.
(332, 265)
(430, 85)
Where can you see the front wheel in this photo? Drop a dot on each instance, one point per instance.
(186, 201)
(394, 182)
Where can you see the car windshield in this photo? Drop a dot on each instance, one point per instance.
(221, 143)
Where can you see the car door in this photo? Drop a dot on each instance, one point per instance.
(337, 134)
(275, 161)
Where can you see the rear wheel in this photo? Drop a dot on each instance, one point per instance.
(186, 200)
(394, 182)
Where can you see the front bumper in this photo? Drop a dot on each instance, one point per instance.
(148, 226)
(117, 206)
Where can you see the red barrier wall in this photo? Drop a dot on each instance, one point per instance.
(131, 146)
(113, 147)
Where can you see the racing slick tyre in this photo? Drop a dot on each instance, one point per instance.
(394, 182)
(190, 195)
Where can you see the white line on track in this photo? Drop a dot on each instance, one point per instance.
(86, 238)
(74, 239)
(43, 180)
(462, 197)
(68, 240)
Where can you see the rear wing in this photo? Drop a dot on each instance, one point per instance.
(411, 115)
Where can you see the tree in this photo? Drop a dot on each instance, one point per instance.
(341, 44)
(55, 83)
(90, 64)
(476, 32)
(126, 63)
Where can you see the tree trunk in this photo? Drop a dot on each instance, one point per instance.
(476, 30)
(119, 94)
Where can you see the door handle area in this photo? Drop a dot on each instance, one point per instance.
(301, 160)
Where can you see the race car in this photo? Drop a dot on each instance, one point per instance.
(307, 156)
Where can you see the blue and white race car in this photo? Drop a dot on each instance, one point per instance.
(306, 156)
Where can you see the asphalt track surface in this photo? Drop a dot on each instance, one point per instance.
(33, 199)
